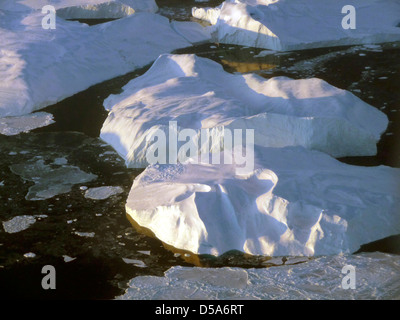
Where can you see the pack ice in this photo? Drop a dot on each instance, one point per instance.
(301, 24)
(198, 94)
(319, 279)
(41, 67)
(295, 202)
(85, 9)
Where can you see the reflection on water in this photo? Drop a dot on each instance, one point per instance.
(243, 67)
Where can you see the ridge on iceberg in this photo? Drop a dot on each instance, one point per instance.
(41, 67)
(198, 94)
(85, 9)
(301, 24)
(295, 202)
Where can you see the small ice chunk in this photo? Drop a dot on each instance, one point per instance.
(147, 252)
(136, 263)
(68, 258)
(264, 53)
(10, 126)
(60, 161)
(101, 193)
(29, 255)
(85, 234)
(18, 223)
(49, 181)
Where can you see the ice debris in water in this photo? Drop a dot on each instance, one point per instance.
(50, 181)
(101, 193)
(20, 223)
(136, 263)
(321, 278)
(10, 126)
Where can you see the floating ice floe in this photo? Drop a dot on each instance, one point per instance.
(68, 258)
(20, 223)
(15, 125)
(85, 9)
(101, 193)
(196, 93)
(50, 179)
(85, 234)
(136, 263)
(301, 24)
(40, 67)
(376, 278)
(295, 202)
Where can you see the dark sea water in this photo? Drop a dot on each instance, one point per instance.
(97, 233)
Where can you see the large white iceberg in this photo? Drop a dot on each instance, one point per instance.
(301, 24)
(295, 202)
(85, 9)
(197, 93)
(40, 67)
(377, 277)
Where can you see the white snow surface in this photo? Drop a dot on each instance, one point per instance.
(377, 277)
(84, 9)
(295, 202)
(10, 126)
(41, 67)
(301, 24)
(198, 94)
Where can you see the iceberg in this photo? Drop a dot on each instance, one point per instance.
(85, 9)
(41, 67)
(295, 202)
(320, 279)
(197, 94)
(286, 25)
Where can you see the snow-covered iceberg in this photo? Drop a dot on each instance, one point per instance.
(295, 202)
(40, 67)
(377, 277)
(85, 9)
(198, 94)
(301, 24)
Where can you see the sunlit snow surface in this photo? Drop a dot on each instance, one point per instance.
(89, 9)
(197, 93)
(295, 202)
(40, 67)
(301, 24)
(377, 277)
